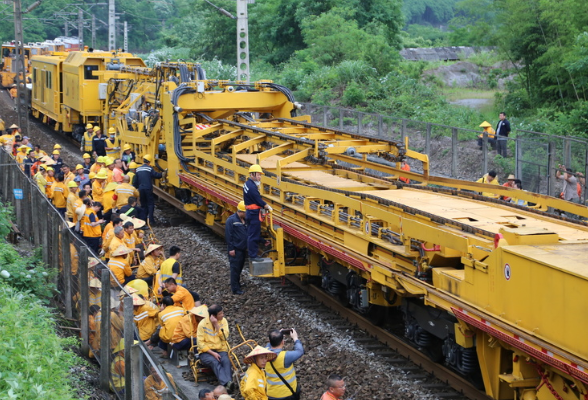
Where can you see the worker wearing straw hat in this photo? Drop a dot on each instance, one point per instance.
(254, 383)
(120, 267)
(187, 329)
(150, 264)
(145, 317)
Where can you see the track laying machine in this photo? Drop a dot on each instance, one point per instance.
(493, 290)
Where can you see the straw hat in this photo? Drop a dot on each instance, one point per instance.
(137, 301)
(13, 126)
(92, 262)
(485, 124)
(48, 160)
(257, 351)
(129, 289)
(110, 187)
(511, 177)
(121, 251)
(137, 223)
(200, 311)
(225, 397)
(95, 283)
(152, 247)
(70, 224)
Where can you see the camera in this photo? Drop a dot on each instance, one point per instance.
(286, 331)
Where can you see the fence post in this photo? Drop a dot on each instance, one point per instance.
(341, 119)
(105, 351)
(66, 270)
(518, 158)
(585, 175)
(35, 215)
(403, 130)
(380, 125)
(428, 139)
(484, 153)
(551, 169)
(138, 388)
(454, 152)
(567, 153)
(128, 338)
(84, 297)
(325, 116)
(359, 123)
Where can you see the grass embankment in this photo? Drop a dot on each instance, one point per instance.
(34, 360)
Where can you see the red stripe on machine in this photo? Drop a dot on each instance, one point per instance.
(542, 355)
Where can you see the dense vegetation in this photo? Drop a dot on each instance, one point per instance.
(345, 52)
(33, 362)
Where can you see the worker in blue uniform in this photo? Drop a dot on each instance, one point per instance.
(253, 204)
(236, 237)
(143, 181)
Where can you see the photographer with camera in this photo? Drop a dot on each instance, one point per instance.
(281, 376)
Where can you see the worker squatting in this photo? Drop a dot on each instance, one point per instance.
(99, 199)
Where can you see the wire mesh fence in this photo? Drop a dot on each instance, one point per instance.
(88, 294)
(533, 157)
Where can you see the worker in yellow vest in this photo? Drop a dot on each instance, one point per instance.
(112, 144)
(281, 376)
(90, 225)
(87, 139)
(171, 268)
(59, 195)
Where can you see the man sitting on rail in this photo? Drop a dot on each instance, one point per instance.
(254, 203)
(119, 265)
(145, 317)
(213, 336)
(169, 317)
(150, 264)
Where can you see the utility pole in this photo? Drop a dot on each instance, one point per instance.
(81, 28)
(125, 37)
(93, 31)
(21, 97)
(111, 26)
(242, 41)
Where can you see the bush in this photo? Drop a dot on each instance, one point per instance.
(26, 274)
(33, 363)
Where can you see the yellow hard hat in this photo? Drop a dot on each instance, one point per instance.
(255, 168)
(148, 157)
(111, 130)
(92, 175)
(485, 124)
(102, 174)
(121, 345)
(108, 161)
(241, 206)
(126, 147)
(133, 165)
(110, 187)
(72, 184)
(28, 150)
(56, 147)
(89, 126)
(50, 169)
(100, 159)
(56, 152)
(79, 166)
(86, 155)
(96, 127)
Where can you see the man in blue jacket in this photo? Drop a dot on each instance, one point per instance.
(143, 181)
(236, 237)
(254, 203)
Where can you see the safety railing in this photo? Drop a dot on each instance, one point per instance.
(85, 290)
(456, 152)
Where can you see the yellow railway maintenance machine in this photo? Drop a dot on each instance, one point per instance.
(495, 291)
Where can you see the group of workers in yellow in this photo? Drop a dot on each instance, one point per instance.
(97, 201)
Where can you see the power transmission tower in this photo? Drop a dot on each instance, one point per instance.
(125, 37)
(81, 28)
(111, 26)
(242, 41)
